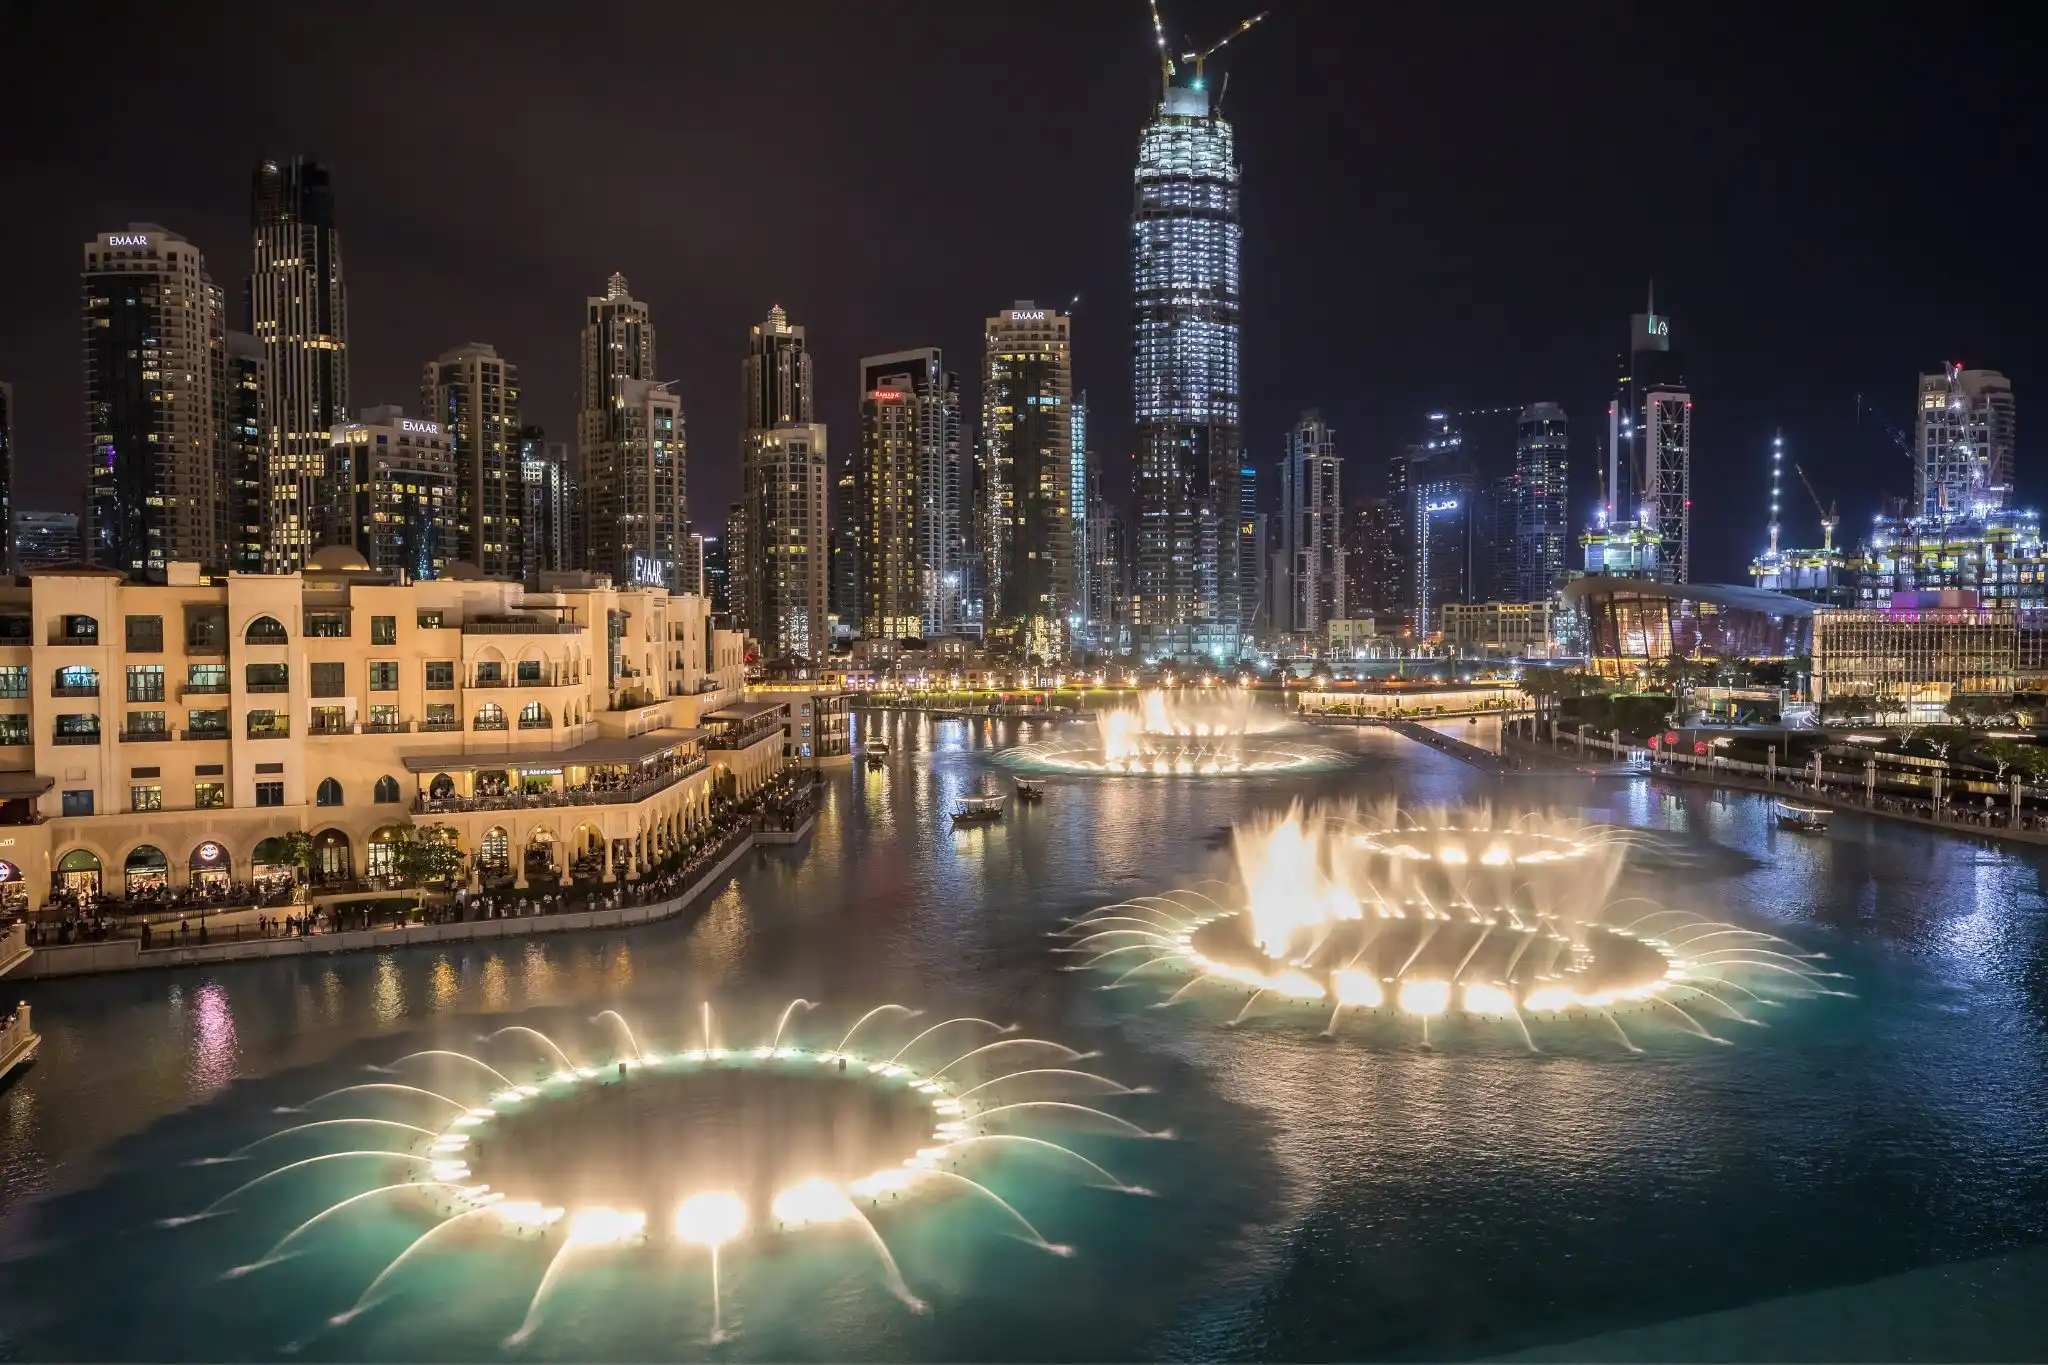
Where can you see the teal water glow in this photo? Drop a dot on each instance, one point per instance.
(1870, 1164)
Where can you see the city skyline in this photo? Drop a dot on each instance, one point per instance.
(1780, 332)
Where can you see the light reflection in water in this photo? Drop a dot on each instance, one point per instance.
(216, 1057)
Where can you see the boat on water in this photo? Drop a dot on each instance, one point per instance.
(876, 753)
(1804, 819)
(1027, 790)
(978, 810)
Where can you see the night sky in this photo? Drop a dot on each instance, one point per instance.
(1444, 206)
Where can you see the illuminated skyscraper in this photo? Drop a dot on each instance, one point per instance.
(647, 539)
(1542, 531)
(298, 309)
(618, 349)
(776, 390)
(546, 536)
(1078, 499)
(155, 349)
(1649, 446)
(1965, 439)
(6, 477)
(907, 494)
(1184, 259)
(389, 491)
(473, 392)
(1027, 389)
(1311, 540)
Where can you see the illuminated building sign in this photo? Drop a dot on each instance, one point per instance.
(889, 395)
(419, 427)
(209, 853)
(127, 239)
(1447, 505)
(1027, 315)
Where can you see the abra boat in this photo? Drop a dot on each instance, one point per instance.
(1804, 819)
(876, 753)
(1027, 790)
(978, 810)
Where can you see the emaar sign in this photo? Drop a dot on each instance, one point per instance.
(127, 239)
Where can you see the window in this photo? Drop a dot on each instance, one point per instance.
(209, 795)
(77, 681)
(534, 716)
(270, 793)
(384, 720)
(330, 720)
(146, 798)
(139, 773)
(145, 681)
(489, 716)
(329, 680)
(79, 630)
(146, 723)
(387, 791)
(268, 725)
(13, 729)
(206, 630)
(267, 677)
(529, 673)
(265, 630)
(78, 803)
(206, 723)
(440, 676)
(74, 728)
(384, 675)
(206, 678)
(491, 674)
(441, 715)
(383, 630)
(328, 793)
(428, 620)
(14, 681)
(327, 625)
(145, 635)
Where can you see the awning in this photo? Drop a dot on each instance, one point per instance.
(24, 786)
(621, 749)
(745, 710)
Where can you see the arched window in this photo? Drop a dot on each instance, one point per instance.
(534, 716)
(387, 791)
(441, 788)
(76, 680)
(490, 716)
(265, 630)
(328, 794)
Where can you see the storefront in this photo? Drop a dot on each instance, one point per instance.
(271, 865)
(146, 872)
(13, 890)
(211, 868)
(77, 875)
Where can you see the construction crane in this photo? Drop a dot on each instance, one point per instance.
(1165, 54)
(1898, 438)
(1201, 59)
(1828, 518)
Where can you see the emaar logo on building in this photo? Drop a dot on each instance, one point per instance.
(127, 239)
(418, 427)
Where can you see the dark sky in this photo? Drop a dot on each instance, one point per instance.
(1444, 205)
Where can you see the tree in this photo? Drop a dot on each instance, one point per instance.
(298, 851)
(426, 855)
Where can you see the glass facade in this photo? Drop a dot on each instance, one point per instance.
(1627, 621)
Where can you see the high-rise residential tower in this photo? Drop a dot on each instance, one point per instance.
(1373, 556)
(6, 477)
(244, 431)
(1184, 260)
(1649, 445)
(907, 495)
(1027, 391)
(1440, 485)
(776, 390)
(473, 392)
(618, 349)
(647, 541)
(389, 491)
(1542, 516)
(547, 540)
(298, 309)
(155, 354)
(1312, 527)
(1079, 465)
(1965, 441)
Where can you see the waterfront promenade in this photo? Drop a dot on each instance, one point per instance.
(128, 954)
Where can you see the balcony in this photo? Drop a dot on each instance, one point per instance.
(76, 690)
(268, 687)
(75, 737)
(319, 726)
(492, 682)
(386, 727)
(205, 689)
(526, 724)
(498, 724)
(744, 736)
(520, 626)
(144, 736)
(205, 646)
(572, 796)
(439, 726)
(206, 732)
(277, 730)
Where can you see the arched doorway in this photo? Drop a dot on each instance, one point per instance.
(493, 783)
(146, 872)
(442, 788)
(13, 891)
(333, 858)
(270, 864)
(211, 867)
(382, 853)
(586, 854)
(540, 862)
(494, 857)
(78, 874)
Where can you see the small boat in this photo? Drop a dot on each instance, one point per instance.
(979, 810)
(876, 753)
(1804, 819)
(1028, 790)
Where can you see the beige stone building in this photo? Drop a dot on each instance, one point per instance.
(167, 735)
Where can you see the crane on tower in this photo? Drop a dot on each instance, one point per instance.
(1201, 58)
(1829, 520)
(1165, 54)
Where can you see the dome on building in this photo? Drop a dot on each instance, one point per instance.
(338, 559)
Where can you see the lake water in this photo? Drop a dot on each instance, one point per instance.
(1867, 1177)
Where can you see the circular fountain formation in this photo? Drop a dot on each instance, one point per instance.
(1421, 964)
(649, 1137)
(1441, 913)
(1218, 732)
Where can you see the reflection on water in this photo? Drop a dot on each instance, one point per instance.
(1352, 1200)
